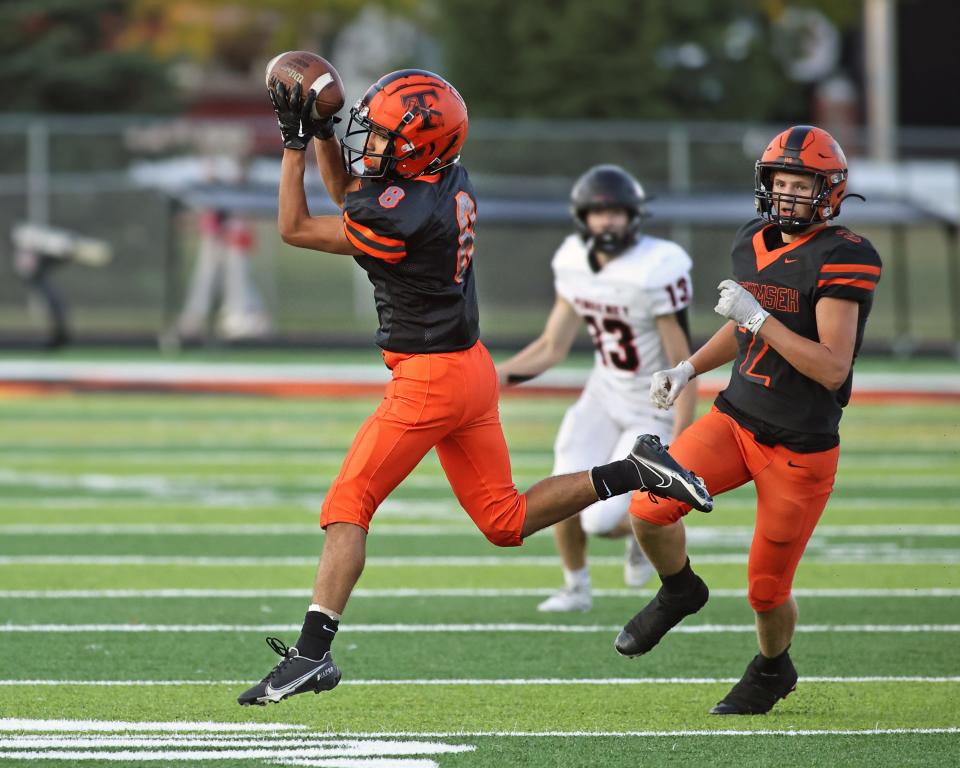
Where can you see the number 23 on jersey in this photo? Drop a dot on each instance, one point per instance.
(624, 354)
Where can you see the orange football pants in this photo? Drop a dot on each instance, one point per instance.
(792, 490)
(447, 401)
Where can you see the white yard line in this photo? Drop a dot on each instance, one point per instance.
(848, 555)
(699, 534)
(220, 594)
(307, 457)
(309, 503)
(669, 734)
(312, 457)
(107, 726)
(221, 530)
(294, 755)
(334, 746)
(303, 749)
(15, 725)
(497, 682)
(399, 508)
(310, 482)
(694, 629)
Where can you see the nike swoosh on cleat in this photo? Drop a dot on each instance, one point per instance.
(665, 480)
(289, 687)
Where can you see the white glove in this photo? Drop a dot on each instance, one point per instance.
(737, 304)
(665, 385)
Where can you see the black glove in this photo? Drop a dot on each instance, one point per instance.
(323, 126)
(291, 111)
(294, 116)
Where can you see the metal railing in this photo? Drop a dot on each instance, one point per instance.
(76, 172)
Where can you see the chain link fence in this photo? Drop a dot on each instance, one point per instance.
(142, 184)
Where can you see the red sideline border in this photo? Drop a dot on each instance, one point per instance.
(341, 389)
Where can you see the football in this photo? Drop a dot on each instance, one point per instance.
(313, 72)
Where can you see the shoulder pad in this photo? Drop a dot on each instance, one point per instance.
(851, 266)
(656, 263)
(572, 254)
(748, 230)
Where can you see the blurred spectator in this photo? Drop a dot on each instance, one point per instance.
(222, 275)
(38, 250)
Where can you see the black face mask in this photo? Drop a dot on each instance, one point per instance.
(610, 243)
(613, 243)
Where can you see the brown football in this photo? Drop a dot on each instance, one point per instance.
(312, 72)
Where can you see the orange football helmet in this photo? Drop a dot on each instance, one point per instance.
(802, 149)
(422, 117)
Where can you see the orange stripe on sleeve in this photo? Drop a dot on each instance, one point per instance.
(371, 235)
(851, 281)
(864, 268)
(365, 247)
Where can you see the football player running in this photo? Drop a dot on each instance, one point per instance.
(408, 219)
(796, 309)
(632, 291)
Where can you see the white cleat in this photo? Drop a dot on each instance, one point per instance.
(637, 570)
(568, 600)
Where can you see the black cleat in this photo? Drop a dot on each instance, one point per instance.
(295, 674)
(757, 691)
(659, 616)
(662, 476)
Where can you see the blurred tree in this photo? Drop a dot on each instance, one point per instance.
(236, 34)
(64, 56)
(124, 55)
(653, 59)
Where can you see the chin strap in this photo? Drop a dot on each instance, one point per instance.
(592, 256)
(852, 194)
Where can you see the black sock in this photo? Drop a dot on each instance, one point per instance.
(681, 582)
(317, 634)
(615, 478)
(773, 665)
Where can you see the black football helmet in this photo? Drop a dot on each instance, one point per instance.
(608, 186)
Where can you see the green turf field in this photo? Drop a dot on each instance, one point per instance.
(148, 544)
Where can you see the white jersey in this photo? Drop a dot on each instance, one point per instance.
(620, 304)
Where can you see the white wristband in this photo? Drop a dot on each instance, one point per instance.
(756, 320)
(688, 369)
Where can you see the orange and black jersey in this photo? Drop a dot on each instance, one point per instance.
(418, 239)
(766, 394)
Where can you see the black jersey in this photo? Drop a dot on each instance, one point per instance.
(766, 394)
(418, 237)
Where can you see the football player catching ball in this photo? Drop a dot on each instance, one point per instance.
(409, 220)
